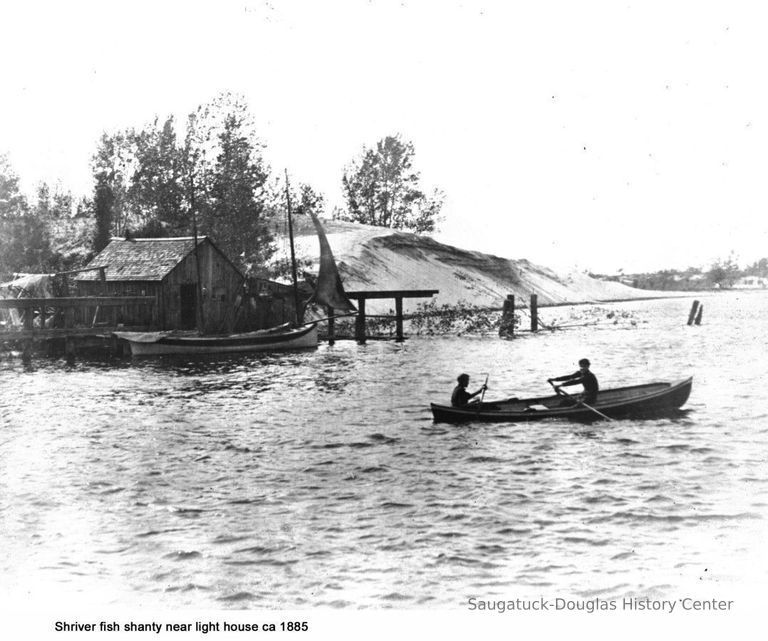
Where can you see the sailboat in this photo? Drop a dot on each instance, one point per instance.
(279, 338)
(329, 292)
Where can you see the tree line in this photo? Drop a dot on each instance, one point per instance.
(162, 180)
(723, 273)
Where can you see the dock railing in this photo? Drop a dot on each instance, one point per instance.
(78, 315)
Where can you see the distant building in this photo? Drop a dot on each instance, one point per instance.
(166, 268)
(751, 282)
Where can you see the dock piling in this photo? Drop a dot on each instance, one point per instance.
(331, 326)
(507, 325)
(692, 314)
(360, 322)
(69, 350)
(398, 294)
(534, 313)
(399, 318)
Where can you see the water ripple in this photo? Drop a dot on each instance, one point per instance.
(300, 480)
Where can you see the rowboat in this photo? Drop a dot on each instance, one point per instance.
(268, 340)
(649, 399)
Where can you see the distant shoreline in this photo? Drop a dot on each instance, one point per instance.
(524, 304)
(620, 300)
(681, 294)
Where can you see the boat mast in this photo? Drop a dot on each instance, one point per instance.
(199, 297)
(293, 253)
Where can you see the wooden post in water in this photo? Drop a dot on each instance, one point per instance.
(507, 325)
(698, 315)
(399, 317)
(69, 350)
(28, 319)
(360, 324)
(26, 354)
(114, 345)
(69, 342)
(692, 314)
(534, 313)
(331, 326)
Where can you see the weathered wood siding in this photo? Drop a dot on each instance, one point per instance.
(128, 315)
(221, 284)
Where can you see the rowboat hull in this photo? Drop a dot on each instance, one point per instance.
(651, 399)
(263, 341)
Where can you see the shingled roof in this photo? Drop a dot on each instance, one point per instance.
(144, 259)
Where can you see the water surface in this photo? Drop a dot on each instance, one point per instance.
(319, 478)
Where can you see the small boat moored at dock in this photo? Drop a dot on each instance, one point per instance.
(650, 399)
(274, 339)
(329, 292)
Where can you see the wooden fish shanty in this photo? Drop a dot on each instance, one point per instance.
(135, 288)
(167, 269)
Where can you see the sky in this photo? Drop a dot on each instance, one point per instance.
(590, 135)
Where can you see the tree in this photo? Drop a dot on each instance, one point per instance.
(724, 272)
(148, 184)
(309, 200)
(226, 179)
(13, 206)
(305, 200)
(155, 193)
(64, 240)
(138, 183)
(12, 201)
(103, 203)
(24, 236)
(112, 166)
(382, 189)
(758, 268)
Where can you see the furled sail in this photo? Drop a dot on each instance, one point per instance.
(329, 290)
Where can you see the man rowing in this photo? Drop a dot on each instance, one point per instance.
(461, 396)
(582, 377)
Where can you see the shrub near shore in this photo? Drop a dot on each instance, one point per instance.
(465, 319)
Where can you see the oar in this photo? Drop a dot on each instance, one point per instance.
(480, 402)
(589, 407)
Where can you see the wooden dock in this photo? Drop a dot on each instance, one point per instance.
(82, 321)
(398, 294)
(74, 319)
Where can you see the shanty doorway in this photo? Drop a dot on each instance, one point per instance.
(188, 304)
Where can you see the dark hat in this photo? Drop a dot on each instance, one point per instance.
(584, 362)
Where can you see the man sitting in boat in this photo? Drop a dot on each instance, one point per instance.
(460, 394)
(582, 377)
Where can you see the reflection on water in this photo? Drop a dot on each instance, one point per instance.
(319, 478)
